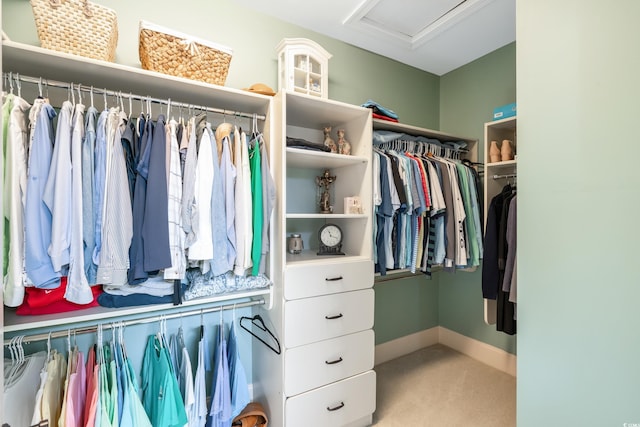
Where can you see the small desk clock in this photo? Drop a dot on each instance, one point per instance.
(330, 236)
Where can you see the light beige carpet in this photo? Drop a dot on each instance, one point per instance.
(440, 387)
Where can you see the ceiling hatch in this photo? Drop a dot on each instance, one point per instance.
(413, 24)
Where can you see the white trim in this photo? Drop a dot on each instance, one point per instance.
(404, 345)
(478, 350)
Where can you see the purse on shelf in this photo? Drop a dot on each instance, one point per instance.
(79, 27)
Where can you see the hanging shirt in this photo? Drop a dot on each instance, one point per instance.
(99, 180)
(244, 231)
(160, 393)
(220, 412)
(23, 388)
(133, 413)
(137, 273)
(218, 212)
(268, 202)
(228, 175)
(155, 226)
(256, 204)
(6, 112)
(88, 212)
(188, 211)
(15, 186)
(238, 377)
(201, 247)
(176, 233)
(197, 415)
(38, 220)
(117, 229)
(78, 290)
(52, 393)
(56, 191)
(77, 393)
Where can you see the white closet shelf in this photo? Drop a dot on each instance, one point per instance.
(323, 216)
(324, 112)
(301, 158)
(35, 61)
(379, 124)
(15, 323)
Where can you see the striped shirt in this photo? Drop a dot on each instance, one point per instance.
(117, 228)
(176, 233)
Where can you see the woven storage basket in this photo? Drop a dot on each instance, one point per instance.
(181, 55)
(77, 26)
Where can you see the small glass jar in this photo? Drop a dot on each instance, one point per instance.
(295, 244)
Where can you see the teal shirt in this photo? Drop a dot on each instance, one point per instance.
(161, 396)
(256, 199)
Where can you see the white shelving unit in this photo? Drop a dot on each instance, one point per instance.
(323, 305)
(496, 175)
(37, 62)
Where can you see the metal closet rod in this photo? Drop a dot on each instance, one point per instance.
(89, 89)
(92, 329)
(509, 175)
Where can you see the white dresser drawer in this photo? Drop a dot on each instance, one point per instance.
(324, 362)
(310, 281)
(315, 319)
(334, 405)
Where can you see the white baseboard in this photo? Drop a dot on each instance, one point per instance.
(404, 345)
(483, 352)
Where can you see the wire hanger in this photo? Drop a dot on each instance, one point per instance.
(259, 323)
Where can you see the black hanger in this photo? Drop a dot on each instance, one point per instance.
(259, 323)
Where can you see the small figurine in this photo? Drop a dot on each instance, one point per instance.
(344, 147)
(328, 142)
(324, 181)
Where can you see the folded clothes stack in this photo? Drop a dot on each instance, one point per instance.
(380, 112)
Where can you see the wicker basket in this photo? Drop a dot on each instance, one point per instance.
(181, 55)
(77, 26)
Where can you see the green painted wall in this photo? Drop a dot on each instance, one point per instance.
(468, 96)
(355, 75)
(405, 306)
(578, 278)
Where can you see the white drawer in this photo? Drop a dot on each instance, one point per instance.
(334, 405)
(324, 362)
(310, 281)
(315, 319)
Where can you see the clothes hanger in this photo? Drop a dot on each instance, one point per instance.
(259, 323)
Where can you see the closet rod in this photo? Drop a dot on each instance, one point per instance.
(63, 333)
(89, 89)
(510, 175)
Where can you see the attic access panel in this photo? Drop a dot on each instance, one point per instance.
(411, 22)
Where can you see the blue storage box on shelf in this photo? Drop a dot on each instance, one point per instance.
(504, 111)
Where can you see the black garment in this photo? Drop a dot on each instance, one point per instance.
(495, 250)
(307, 145)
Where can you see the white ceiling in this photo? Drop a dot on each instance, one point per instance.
(433, 35)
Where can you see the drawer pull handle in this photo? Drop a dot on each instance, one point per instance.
(337, 316)
(335, 408)
(333, 279)
(333, 362)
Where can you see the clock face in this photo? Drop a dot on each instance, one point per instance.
(331, 235)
